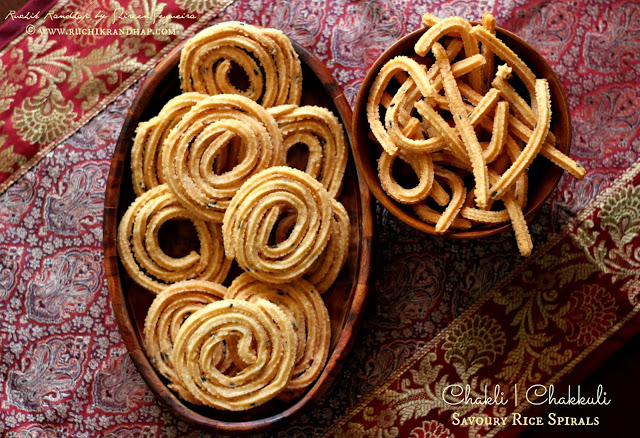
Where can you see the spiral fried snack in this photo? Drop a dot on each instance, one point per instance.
(147, 264)
(149, 137)
(308, 315)
(266, 56)
(325, 270)
(190, 151)
(251, 217)
(321, 132)
(264, 338)
(167, 313)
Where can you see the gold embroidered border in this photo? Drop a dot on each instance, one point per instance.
(108, 99)
(571, 365)
(619, 183)
(54, 9)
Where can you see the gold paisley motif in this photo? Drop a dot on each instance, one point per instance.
(427, 371)
(90, 73)
(473, 344)
(17, 72)
(384, 423)
(431, 429)
(200, 6)
(427, 389)
(46, 88)
(354, 430)
(534, 301)
(43, 117)
(554, 292)
(47, 115)
(620, 215)
(385, 419)
(131, 45)
(613, 250)
(588, 314)
(91, 91)
(359, 431)
(96, 14)
(569, 266)
(632, 289)
(8, 158)
(8, 89)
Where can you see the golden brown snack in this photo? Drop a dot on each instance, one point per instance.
(453, 143)
(499, 133)
(140, 251)
(321, 132)
(501, 50)
(419, 77)
(170, 308)
(520, 130)
(325, 270)
(190, 151)
(252, 215)
(263, 339)
(309, 317)
(489, 23)
(422, 165)
(432, 216)
(463, 125)
(459, 192)
(534, 144)
(472, 129)
(398, 110)
(271, 65)
(145, 153)
(454, 26)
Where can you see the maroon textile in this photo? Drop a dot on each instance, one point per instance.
(13, 26)
(63, 368)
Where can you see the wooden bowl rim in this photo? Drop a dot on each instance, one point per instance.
(359, 114)
(123, 314)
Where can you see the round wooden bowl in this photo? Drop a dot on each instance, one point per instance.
(345, 300)
(543, 174)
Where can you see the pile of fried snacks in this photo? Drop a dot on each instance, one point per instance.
(453, 116)
(217, 156)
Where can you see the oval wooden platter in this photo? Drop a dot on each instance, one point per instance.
(345, 300)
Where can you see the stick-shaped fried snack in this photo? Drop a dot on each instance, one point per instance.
(461, 119)
(533, 145)
(452, 25)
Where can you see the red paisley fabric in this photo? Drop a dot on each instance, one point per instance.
(71, 60)
(440, 312)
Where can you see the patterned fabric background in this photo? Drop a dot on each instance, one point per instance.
(63, 368)
(54, 84)
(525, 335)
